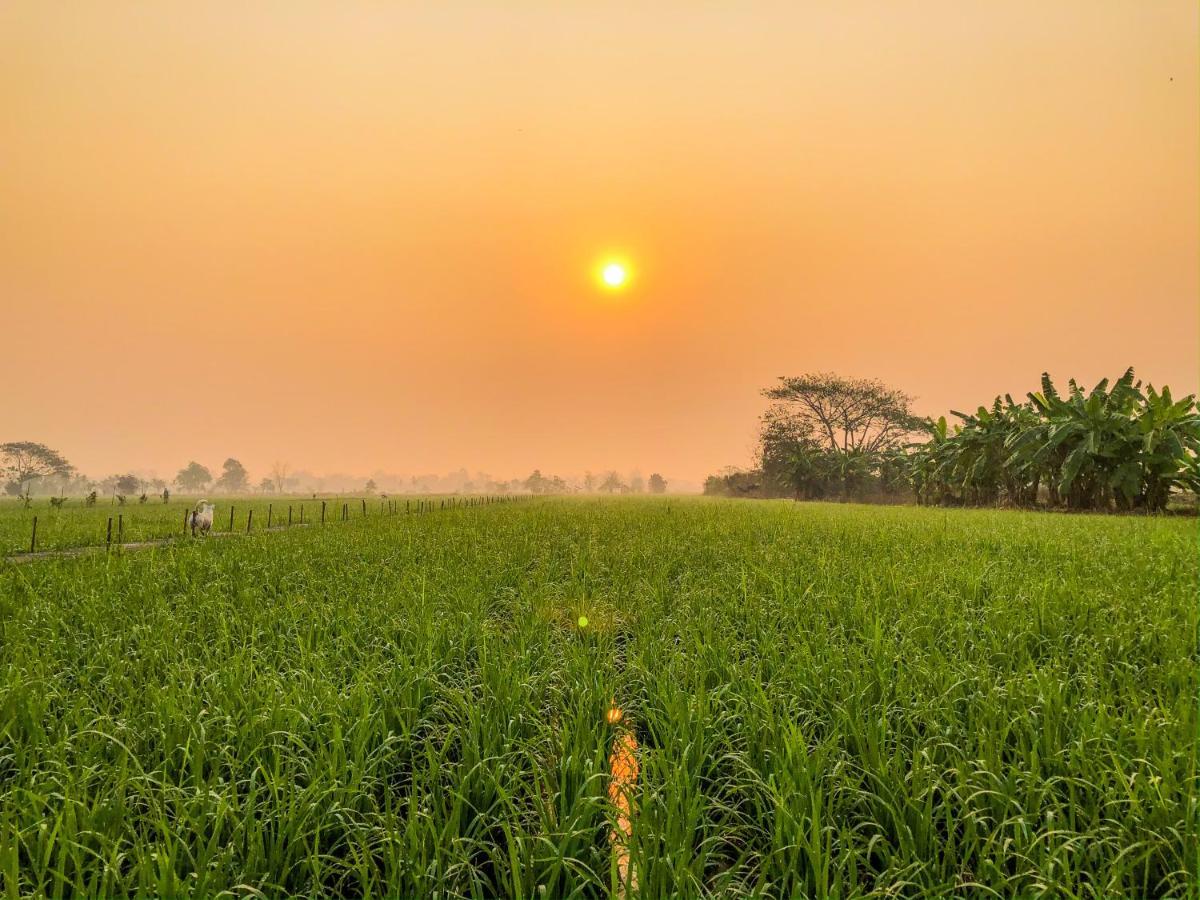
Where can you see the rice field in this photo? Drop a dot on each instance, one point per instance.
(823, 700)
(78, 525)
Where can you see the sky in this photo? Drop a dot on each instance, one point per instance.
(362, 236)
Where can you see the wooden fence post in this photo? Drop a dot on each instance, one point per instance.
(33, 537)
(289, 515)
(120, 529)
(364, 503)
(269, 505)
(231, 517)
(108, 534)
(322, 512)
(249, 519)
(186, 514)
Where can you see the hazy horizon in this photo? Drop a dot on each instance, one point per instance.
(362, 238)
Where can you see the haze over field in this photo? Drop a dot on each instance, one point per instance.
(365, 238)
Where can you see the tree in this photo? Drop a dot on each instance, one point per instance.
(193, 477)
(845, 414)
(824, 432)
(636, 483)
(589, 482)
(612, 482)
(732, 483)
(371, 486)
(658, 484)
(792, 463)
(24, 461)
(1121, 447)
(536, 483)
(233, 479)
(279, 473)
(128, 484)
(1110, 447)
(266, 486)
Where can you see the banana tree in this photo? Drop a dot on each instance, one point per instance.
(1111, 447)
(928, 463)
(1169, 446)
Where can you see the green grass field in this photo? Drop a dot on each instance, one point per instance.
(77, 525)
(829, 700)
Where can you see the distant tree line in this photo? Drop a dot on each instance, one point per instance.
(1119, 446)
(26, 464)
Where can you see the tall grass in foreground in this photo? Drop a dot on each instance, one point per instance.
(830, 701)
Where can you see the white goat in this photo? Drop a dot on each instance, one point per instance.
(201, 517)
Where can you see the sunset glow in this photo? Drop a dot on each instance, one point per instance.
(388, 383)
(392, 212)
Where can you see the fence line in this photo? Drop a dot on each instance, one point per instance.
(387, 508)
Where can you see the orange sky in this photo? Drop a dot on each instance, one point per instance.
(361, 236)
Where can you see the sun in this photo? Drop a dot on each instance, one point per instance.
(613, 274)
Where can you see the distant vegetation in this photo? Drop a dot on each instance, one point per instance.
(1119, 446)
(24, 462)
(28, 468)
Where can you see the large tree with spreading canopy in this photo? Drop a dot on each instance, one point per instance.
(24, 461)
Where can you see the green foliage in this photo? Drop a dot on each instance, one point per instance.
(127, 484)
(22, 462)
(1122, 447)
(612, 483)
(831, 701)
(826, 436)
(193, 477)
(735, 483)
(233, 478)
(537, 483)
(1118, 448)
